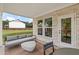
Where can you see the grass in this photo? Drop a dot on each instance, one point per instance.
(15, 32)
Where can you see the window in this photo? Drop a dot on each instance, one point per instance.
(40, 25)
(48, 22)
(40, 31)
(48, 27)
(48, 32)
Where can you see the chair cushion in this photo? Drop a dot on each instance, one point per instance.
(11, 38)
(22, 36)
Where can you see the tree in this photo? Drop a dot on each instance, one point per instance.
(5, 24)
(29, 25)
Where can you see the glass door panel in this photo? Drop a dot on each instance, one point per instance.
(66, 30)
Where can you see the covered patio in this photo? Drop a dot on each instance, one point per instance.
(52, 22)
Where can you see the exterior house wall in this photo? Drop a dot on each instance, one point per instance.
(74, 9)
(16, 24)
(77, 27)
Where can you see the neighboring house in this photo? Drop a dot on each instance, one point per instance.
(17, 24)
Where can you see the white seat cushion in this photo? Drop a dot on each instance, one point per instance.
(18, 41)
(29, 46)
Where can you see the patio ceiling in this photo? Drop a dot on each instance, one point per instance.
(33, 9)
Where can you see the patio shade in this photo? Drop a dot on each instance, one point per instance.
(33, 9)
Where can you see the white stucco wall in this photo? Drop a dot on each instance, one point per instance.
(77, 29)
(16, 24)
(55, 31)
(55, 27)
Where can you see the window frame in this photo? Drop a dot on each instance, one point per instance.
(44, 27)
(39, 27)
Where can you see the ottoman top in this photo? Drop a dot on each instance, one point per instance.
(29, 43)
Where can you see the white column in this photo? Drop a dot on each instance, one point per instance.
(1, 40)
(34, 26)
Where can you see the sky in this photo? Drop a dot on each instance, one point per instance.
(11, 17)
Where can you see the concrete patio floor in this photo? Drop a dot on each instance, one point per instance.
(17, 50)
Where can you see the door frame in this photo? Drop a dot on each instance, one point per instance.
(62, 44)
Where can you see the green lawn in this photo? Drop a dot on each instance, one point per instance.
(15, 32)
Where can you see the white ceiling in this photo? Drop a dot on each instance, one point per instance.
(33, 9)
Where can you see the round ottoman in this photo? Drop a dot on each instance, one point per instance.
(29, 46)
